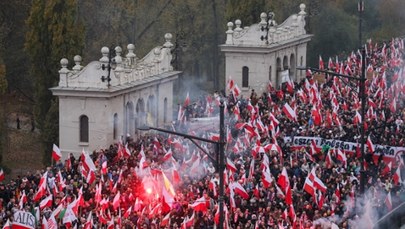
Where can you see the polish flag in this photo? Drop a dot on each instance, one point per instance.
(266, 178)
(117, 200)
(288, 195)
(342, 157)
(309, 187)
(321, 64)
(7, 225)
(165, 221)
(56, 154)
(370, 144)
(104, 168)
(236, 91)
(388, 201)
(89, 222)
(87, 161)
(240, 190)
(337, 194)
(212, 186)
(397, 176)
(168, 155)
(47, 202)
(1, 175)
(357, 118)
(316, 116)
(230, 165)
(128, 212)
(187, 101)
(282, 180)
(289, 112)
(199, 205)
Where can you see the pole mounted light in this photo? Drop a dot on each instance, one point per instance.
(110, 65)
(267, 27)
(362, 95)
(220, 146)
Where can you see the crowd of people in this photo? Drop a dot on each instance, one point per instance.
(163, 181)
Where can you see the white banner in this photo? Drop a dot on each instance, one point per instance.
(23, 220)
(389, 152)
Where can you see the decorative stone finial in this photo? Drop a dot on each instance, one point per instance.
(263, 18)
(77, 59)
(64, 63)
(238, 23)
(104, 51)
(230, 25)
(302, 8)
(229, 34)
(131, 56)
(168, 38)
(156, 51)
(118, 58)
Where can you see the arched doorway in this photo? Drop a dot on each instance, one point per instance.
(151, 109)
(140, 113)
(292, 67)
(279, 69)
(129, 118)
(285, 63)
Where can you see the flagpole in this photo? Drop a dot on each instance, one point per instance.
(221, 164)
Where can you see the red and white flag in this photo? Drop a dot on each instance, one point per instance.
(56, 154)
(388, 201)
(240, 190)
(370, 145)
(117, 200)
(2, 176)
(282, 180)
(230, 165)
(200, 205)
(47, 202)
(7, 225)
(289, 112)
(397, 176)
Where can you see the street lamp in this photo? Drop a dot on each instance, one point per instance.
(220, 164)
(360, 8)
(269, 25)
(110, 65)
(362, 95)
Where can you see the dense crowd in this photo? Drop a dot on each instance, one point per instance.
(164, 181)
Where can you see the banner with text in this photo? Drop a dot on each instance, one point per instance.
(389, 152)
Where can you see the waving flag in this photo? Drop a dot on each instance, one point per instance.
(56, 154)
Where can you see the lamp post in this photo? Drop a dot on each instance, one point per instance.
(269, 25)
(111, 65)
(362, 95)
(360, 8)
(220, 163)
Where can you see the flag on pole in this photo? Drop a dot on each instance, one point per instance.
(56, 154)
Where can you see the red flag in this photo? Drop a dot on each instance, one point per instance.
(282, 180)
(7, 225)
(56, 154)
(316, 116)
(128, 212)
